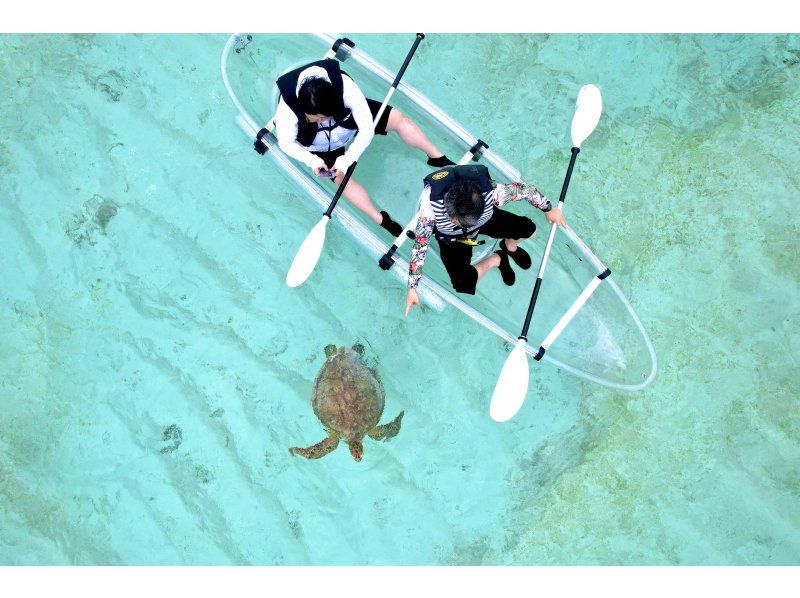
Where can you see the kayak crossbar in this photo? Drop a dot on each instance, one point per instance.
(571, 312)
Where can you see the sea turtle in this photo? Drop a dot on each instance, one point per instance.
(348, 399)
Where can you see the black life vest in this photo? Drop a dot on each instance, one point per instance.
(287, 85)
(441, 180)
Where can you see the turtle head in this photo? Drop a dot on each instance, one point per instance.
(356, 449)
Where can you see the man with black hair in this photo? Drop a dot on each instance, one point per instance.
(457, 204)
(320, 111)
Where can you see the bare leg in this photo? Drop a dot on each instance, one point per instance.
(411, 134)
(358, 196)
(318, 450)
(493, 261)
(387, 431)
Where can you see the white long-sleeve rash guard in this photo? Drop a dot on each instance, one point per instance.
(286, 124)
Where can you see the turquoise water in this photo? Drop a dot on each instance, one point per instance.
(155, 368)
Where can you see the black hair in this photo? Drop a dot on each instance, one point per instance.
(316, 96)
(464, 202)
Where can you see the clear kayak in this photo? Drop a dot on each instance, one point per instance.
(582, 318)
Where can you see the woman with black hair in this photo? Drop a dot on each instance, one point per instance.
(319, 113)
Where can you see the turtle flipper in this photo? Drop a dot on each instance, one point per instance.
(318, 450)
(387, 431)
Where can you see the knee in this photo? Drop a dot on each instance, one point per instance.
(462, 286)
(397, 120)
(528, 229)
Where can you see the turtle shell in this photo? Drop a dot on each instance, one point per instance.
(348, 395)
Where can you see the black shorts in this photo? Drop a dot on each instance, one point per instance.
(456, 256)
(330, 157)
(374, 106)
(380, 129)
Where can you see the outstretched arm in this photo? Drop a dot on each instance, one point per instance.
(422, 238)
(504, 193)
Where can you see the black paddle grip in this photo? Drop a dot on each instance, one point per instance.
(401, 72)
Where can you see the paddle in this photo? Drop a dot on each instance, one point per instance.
(307, 256)
(512, 385)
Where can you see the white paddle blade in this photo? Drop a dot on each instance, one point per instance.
(587, 115)
(512, 385)
(308, 255)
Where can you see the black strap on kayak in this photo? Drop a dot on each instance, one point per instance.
(341, 48)
(478, 149)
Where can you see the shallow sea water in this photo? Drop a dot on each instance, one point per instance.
(154, 367)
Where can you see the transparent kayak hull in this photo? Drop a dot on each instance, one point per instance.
(604, 342)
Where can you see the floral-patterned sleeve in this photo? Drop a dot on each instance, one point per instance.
(422, 238)
(504, 193)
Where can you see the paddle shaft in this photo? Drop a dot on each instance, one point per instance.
(340, 190)
(538, 284)
(400, 73)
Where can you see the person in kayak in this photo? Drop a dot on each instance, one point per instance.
(320, 111)
(456, 205)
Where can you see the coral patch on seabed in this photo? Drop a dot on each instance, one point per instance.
(91, 221)
(172, 438)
